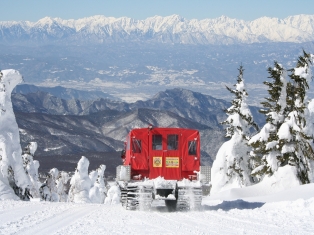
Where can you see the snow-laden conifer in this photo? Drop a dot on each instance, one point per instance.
(309, 130)
(61, 184)
(31, 168)
(113, 195)
(49, 190)
(94, 194)
(265, 154)
(98, 190)
(100, 183)
(80, 183)
(13, 179)
(231, 168)
(295, 143)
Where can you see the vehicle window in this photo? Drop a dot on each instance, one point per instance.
(136, 145)
(192, 147)
(157, 142)
(172, 142)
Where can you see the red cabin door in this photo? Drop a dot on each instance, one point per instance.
(172, 155)
(165, 154)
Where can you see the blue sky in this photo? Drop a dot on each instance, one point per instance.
(34, 10)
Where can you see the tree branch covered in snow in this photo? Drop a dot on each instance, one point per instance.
(294, 142)
(265, 154)
(287, 136)
(231, 168)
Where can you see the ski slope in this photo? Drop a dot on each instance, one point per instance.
(252, 215)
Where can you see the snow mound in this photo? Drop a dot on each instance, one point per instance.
(188, 183)
(281, 181)
(160, 182)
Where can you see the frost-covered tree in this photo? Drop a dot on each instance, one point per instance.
(98, 190)
(13, 179)
(93, 176)
(49, 190)
(31, 168)
(309, 116)
(265, 154)
(100, 183)
(80, 183)
(94, 193)
(309, 130)
(113, 195)
(294, 141)
(231, 168)
(61, 184)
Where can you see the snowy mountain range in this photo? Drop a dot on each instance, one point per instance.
(170, 29)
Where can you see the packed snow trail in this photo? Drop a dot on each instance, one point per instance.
(293, 217)
(60, 220)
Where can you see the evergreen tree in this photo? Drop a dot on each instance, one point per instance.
(98, 190)
(31, 168)
(309, 130)
(61, 184)
(49, 190)
(13, 179)
(294, 142)
(80, 183)
(265, 154)
(101, 183)
(231, 168)
(240, 119)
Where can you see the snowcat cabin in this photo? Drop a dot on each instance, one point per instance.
(172, 153)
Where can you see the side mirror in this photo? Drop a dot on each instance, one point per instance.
(123, 154)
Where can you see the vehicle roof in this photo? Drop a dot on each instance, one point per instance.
(175, 129)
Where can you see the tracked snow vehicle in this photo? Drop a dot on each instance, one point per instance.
(162, 164)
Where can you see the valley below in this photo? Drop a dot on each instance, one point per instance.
(66, 129)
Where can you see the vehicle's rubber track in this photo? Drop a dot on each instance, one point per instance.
(189, 198)
(136, 197)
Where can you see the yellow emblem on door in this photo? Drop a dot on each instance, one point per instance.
(157, 161)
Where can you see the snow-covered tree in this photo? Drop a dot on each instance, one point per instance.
(93, 176)
(113, 195)
(13, 179)
(100, 183)
(309, 116)
(265, 154)
(80, 183)
(31, 168)
(61, 184)
(309, 130)
(294, 141)
(98, 190)
(94, 193)
(49, 190)
(231, 168)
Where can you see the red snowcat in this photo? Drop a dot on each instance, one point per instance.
(162, 164)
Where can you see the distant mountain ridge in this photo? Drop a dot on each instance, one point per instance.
(195, 106)
(66, 129)
(62, 92)
(169, 29)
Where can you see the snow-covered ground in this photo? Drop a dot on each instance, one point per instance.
(287, 212)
